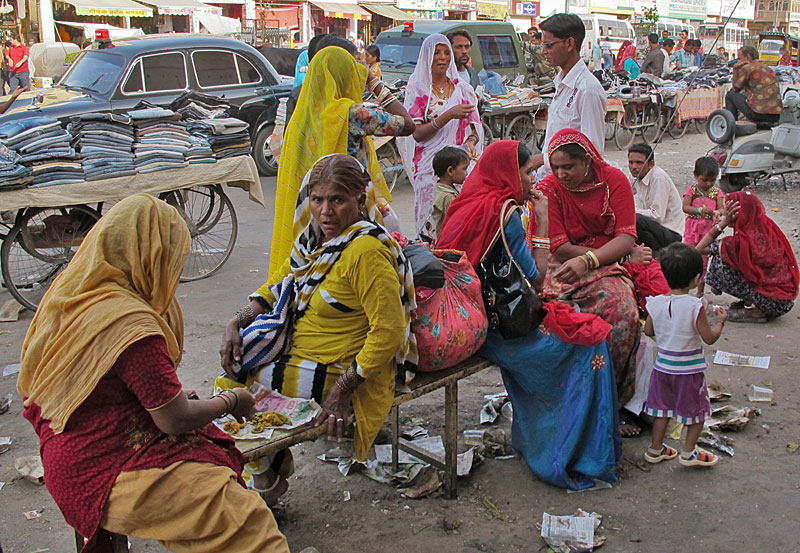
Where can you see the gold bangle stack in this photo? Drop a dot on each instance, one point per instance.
(540, 242)
(591, 260)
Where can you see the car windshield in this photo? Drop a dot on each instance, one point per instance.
(399, 50)
(771, 46)
(95, 71)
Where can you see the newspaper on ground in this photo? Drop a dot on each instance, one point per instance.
(568, 529)
(434, 444)
(735, 359)
(298, 410)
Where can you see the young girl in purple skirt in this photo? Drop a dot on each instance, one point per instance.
(678, 385)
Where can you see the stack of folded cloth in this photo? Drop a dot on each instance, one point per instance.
(196, 105)
(227, 136)
(12, 174)
(162, 141)
(57, 171)
(105, 141)
(37, 138)
(200, 151)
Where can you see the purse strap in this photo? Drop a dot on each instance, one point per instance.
(505, 215)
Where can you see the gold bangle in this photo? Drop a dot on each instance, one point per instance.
(591, 255)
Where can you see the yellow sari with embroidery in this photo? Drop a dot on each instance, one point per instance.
(319, 126)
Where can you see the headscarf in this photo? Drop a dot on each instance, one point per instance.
(760, 251)
(418, 156)
(591, 214)
(627, 50)
(119, 288)
(319, 126)
(310, 263)
(473, 218)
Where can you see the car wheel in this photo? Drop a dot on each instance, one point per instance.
(266, 163)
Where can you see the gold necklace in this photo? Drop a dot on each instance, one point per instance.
(442, 93)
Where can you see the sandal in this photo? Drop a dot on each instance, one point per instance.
(665, 454)
(742, 316)
(699, 458)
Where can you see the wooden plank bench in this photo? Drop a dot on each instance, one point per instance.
(424, 383)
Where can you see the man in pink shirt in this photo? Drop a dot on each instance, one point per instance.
(17, 57)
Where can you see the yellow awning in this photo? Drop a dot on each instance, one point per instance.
(115, 8)
(342, 10)
(387, 10)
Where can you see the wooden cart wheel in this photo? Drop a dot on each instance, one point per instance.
(676, 129)
(651, 119)
(626, 130)
(521, 129)
(213, 226)
(39, 246)
(488, 135)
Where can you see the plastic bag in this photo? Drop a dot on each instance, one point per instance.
(450, 322)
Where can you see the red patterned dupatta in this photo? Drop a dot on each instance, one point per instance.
(760, 251)
(593, 213)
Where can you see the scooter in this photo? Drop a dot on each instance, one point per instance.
(745, 158)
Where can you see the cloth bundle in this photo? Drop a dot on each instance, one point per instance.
(195, 105)
(105, 141)
(34, 140)
(162, 141)
(12, 174)
(228, 137)
(200, 150)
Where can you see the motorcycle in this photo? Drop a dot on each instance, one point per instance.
(745, 158)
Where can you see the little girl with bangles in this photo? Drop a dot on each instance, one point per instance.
(702, 203)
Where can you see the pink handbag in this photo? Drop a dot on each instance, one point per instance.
(450, 322)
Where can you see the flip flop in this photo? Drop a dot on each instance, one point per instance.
(741, 316)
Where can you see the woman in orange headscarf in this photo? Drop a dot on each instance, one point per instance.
(123, 446)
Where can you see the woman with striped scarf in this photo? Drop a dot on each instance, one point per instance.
(352, 308)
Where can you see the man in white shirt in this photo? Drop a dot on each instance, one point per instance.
(659, 209)
(580, 101)
(461, 43)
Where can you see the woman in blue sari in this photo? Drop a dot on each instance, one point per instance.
(559, 378)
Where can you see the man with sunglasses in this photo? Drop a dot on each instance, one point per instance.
(580, 101)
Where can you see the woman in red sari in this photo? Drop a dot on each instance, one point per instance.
(756, 264)
(592, 228)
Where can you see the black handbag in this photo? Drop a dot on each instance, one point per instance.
(512, 305)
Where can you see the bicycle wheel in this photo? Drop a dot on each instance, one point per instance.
(652, 123)
(213, 226)
(39, 247)
(521, 129)
(700, 125)
(391, 164)
(626, 130)
(676, 129)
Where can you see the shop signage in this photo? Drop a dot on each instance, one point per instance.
(612, 6)
(530, 9)
(688, 9)
(419, 5)
(493, 10)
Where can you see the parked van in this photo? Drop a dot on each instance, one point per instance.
(599, 26)
(495, 47)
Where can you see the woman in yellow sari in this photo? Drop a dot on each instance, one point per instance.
(122, 444)
(329, 119)
(352, 310)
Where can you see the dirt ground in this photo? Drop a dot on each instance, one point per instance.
(746, 503)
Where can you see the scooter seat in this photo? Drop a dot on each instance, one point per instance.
(745, 128)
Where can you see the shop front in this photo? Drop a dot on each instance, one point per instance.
(423, 9)
(277, 23)
(524, 15)
(460, 10)
(180, 16)
(384, 16)
(339, 18)
(231, 8)
(111, 12)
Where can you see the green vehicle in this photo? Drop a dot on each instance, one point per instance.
(495, 47)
